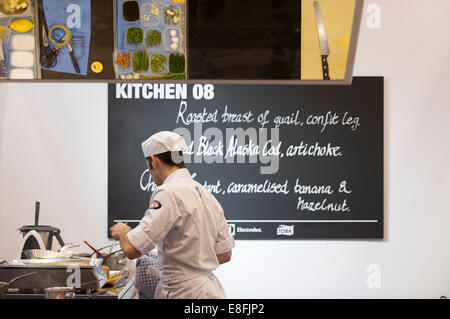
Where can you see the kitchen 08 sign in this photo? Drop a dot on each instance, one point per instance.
(284, 162)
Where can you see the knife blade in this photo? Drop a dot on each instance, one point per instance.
(44, 37)
(323, 40)
(3, 70)
(2, 54)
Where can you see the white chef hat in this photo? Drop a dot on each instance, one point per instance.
(164, 141)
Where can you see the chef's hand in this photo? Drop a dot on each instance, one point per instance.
(118, 230)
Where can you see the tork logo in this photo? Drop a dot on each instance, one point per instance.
(284, 230)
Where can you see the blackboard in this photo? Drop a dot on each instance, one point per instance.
(328, 182)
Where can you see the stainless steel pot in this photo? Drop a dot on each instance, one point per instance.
(38, 254)
(116, 260)
(64, 292)
(59, 293)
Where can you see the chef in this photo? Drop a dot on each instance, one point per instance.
(184, 221)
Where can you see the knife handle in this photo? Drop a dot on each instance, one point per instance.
(74, 61)
(325, 69)
(2, 53)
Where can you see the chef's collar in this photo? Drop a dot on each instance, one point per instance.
(181, 172)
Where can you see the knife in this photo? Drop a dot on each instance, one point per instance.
(72, 56)
(3, 71)
(323, 39)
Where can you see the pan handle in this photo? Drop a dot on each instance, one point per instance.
(104, 290)
(110, 254)
(89, 282)
(100, 249)
(20, 277)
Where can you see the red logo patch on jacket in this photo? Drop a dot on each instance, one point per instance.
(155, 205)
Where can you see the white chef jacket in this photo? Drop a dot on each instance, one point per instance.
(188, 226)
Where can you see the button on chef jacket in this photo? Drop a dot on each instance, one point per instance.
(188, 226)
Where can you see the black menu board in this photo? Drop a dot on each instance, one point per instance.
(284, 161)
(251, 39)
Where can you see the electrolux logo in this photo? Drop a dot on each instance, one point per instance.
(232, 229)
(249, 230)
(284, 230)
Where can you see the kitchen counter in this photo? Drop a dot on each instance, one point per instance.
(125, 290)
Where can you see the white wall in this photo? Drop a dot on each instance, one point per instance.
(53, 148)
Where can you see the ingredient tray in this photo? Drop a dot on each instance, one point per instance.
(152, 33)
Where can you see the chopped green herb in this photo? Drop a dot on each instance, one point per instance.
(157, 62)
(135, 35)
(171, 14)
(153, 38)
(140, 62)
(176, 63)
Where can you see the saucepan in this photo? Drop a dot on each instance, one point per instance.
(5, 285)
(115, 260)
(64, 292)
(59, 293)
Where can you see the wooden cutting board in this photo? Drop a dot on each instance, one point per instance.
(338, 16)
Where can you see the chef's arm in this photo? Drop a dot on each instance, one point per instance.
(120, 232)
(224, 258)
(128, 249)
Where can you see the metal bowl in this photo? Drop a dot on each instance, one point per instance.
(4, 11)
(116, 260)
(38, 254)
